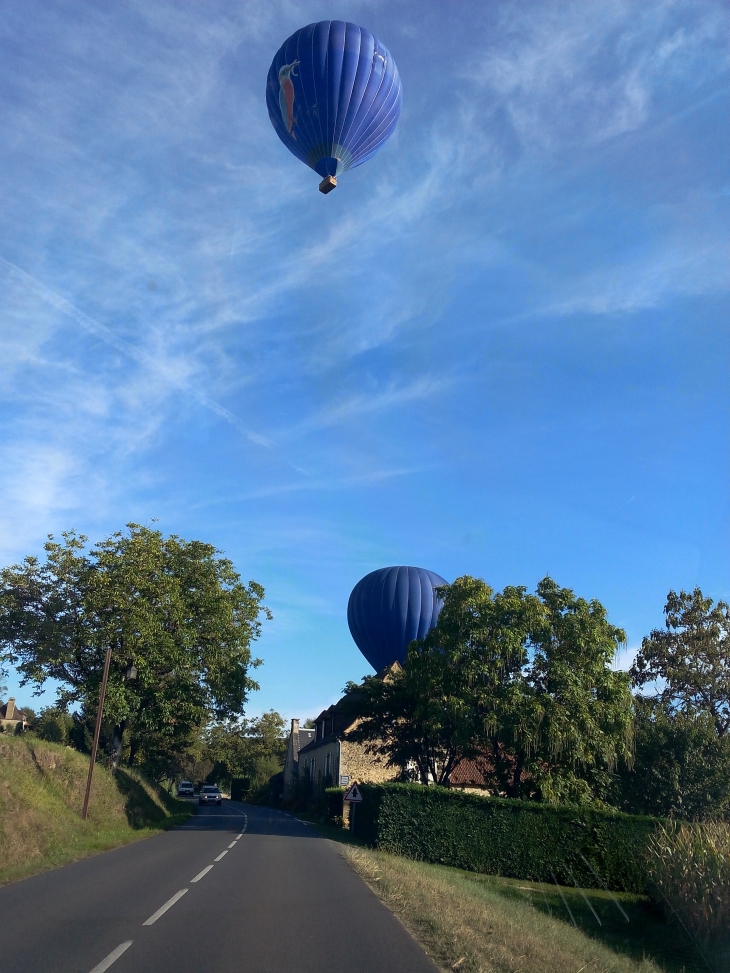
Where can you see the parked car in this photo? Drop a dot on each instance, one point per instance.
(185, 789)
(209, 794)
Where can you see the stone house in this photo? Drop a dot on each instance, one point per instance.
(12, 720)
(328, 757)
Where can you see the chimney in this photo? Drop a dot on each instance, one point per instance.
(10, 709)
(295, 736)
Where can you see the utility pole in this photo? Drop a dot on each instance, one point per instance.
(97, 731)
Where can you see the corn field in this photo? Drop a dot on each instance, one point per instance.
(690, 864)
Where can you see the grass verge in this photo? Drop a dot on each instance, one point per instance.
(41, 793)
(484, 924)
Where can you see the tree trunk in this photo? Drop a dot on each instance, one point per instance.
(117, 743)
(133, 748)
(517, 776)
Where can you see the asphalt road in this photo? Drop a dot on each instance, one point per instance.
(237, 889)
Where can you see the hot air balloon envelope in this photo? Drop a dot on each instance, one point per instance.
(334, 96)
(391, 607)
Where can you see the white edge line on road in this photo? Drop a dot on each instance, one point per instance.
(114, 955)
(201, 874)
(163, 908)
(222, 855)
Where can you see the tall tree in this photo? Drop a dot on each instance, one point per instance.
(683, 724)
(689, 660)
(458, 685)
(175, 610)
(525, 680)
(253, 748)
(576, 719)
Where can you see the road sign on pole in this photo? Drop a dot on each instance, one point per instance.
(353, 795)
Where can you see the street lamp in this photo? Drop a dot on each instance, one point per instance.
(130, 674)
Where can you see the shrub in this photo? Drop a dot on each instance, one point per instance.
(517, 839)
(690, 866)
(54, 725)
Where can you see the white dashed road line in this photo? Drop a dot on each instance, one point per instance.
(123, 947)
(114, 955)
(163, 908)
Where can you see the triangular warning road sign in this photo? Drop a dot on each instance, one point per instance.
(353, 795)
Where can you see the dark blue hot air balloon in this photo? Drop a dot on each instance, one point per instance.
(391, 607)
(334, 96)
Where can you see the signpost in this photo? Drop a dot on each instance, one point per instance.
(352, 797)
(344, 780)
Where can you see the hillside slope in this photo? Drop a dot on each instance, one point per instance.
(41, 794)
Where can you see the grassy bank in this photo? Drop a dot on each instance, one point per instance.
(41, 794)
(477, 923)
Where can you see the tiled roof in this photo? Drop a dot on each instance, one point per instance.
(476, 772)
(15, 713)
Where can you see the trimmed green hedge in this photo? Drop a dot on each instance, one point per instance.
(517, 839)
(333, 801)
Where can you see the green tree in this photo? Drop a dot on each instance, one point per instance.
(54, 724)
(689, 660)
(175, 610)
(682, 766)
(525, 680)
(457, 687)
(683, 721)
(253, 748)
(576, 720)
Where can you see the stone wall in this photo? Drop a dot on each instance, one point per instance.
(364, 767)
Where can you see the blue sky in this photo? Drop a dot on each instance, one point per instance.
(498, 348)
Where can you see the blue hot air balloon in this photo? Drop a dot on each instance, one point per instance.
(334, 96)
(391, 607)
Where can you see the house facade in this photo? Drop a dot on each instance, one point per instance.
(12, 720)
(328, 757)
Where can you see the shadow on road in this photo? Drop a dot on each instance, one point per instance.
(251, 819)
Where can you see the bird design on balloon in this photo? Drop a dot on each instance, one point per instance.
(286, 95)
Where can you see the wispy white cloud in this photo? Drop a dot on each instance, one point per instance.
(173, 372)
(566, 72)
(379, 400)
(314, 484)
(682, 267)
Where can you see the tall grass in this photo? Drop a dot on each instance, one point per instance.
(690, 865)
(471, 927)
(41, 793)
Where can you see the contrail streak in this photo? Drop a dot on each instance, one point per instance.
(106, 334)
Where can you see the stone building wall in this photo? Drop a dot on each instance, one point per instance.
(366, 768)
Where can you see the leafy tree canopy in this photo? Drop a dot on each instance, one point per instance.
(174, 609)
(252, 748)
(524, 679)
(682, 766)
(689, 660)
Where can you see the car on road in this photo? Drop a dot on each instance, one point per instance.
(185, 789)
(209, 794)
